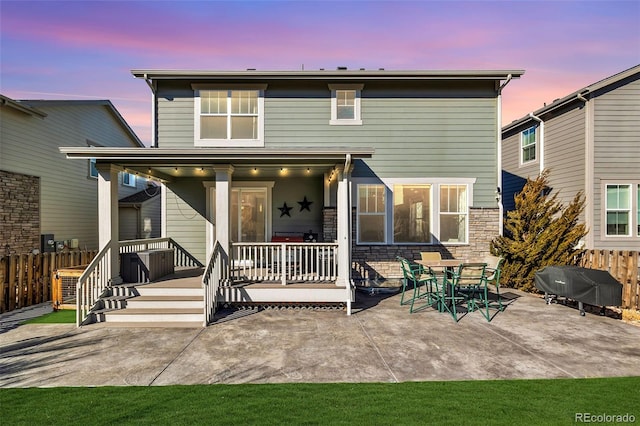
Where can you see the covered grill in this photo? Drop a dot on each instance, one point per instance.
(591, 286)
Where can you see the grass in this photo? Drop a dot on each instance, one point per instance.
(505, 402)
(62, 316)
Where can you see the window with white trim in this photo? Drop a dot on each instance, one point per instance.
(371, 209)
(249, 214)
(453, 213)
(413, 210)
(128, 179)
(345, 104)
(618, 210)
(93, 170)
(229, 117)
(528, 144)
(411, 213)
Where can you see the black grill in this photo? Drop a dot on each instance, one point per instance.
(591, 286)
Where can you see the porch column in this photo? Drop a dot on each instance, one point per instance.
(108, 217)
(344, 233)
(223, 205)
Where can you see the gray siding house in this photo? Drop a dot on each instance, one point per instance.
(328, 174)
(590, 142)
(44, 193)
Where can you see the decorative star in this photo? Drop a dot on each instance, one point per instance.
(305, 204)
(285, 210)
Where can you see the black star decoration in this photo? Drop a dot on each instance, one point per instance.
(305, 204)
(285, 210)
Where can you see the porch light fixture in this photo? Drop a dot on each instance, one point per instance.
(254, 171)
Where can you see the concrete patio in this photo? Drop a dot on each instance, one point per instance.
(380, 342)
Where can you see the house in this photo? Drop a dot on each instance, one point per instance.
(590, 142)
(43, 193)
(305, 182)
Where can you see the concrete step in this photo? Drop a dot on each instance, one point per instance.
(164, 324)
(155, 315)
(163, 302)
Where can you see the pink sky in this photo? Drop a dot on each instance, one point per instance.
(86, 50)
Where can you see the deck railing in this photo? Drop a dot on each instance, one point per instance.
(216, 271)
(181, 258)
(92, 284)
(284, 262)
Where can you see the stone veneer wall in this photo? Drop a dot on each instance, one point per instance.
(19, 213)
(379, 261)
(329, 224)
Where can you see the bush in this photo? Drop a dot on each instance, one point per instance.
(539, 232)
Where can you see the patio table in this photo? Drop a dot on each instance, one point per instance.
(448, 265)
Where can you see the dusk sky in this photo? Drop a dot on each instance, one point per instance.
(86, 49)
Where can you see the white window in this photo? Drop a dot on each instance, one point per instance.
(229, 117)
(93, 170)
(249, 214)
(411, 213)
(345, 104)
(528, 145)
(128, 179)
(618, 210)
(453, 213)
(413, 210)
(638, 208)
(371, 209)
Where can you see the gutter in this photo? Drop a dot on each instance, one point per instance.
(499, 155)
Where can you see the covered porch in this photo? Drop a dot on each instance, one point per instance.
(203, 210)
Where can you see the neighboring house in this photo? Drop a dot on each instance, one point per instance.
(140, 213)
(590, 142)
(42, 192)
(367, 164)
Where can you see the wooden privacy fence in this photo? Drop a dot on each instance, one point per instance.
(623, 266)
(25, 279)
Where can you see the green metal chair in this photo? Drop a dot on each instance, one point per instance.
(424, 283)
(466, 283)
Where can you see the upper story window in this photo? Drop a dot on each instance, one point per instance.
(229, 117)
(528, 145)
(93, 170)
(128, 179)
(618, 210)
(345, 104)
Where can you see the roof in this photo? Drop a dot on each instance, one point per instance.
(19, 106)
(340, 74)
(584, 93)
(98, 102)
(163, 163)
(142, 196)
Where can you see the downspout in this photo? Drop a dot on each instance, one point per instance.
(588, 171)
(154, 136)
(541, 151)
(499, 154)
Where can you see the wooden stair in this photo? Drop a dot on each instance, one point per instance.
(173, 302)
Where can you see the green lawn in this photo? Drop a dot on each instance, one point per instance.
(508, 402)
(63, 316)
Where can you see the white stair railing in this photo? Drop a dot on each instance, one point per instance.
(92, 284)
(216, 271)
(181, 256)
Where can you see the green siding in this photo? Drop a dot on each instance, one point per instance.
(434, 129)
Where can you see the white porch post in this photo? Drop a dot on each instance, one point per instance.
(223, 206)
(344, 233)
(108, 218)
